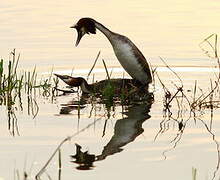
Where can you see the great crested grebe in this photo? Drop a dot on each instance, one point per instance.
(130, 57)
(98, 87)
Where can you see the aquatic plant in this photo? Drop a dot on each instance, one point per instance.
(205, 100)
(14, 85)
(194, 103)
(194, 172)
(176, 97)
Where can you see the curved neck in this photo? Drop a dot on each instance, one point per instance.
(85, 87)
(104, 30)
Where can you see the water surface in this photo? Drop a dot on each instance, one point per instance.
(169, 29)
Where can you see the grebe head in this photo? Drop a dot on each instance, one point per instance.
(84, 26)
(71, 81)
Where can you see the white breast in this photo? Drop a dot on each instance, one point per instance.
(129, 62)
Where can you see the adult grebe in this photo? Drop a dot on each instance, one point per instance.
(98, 87)
(130, 57)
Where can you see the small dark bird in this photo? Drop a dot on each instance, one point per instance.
(130, 57)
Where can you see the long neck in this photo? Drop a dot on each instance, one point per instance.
(104, 30)
(86, 88)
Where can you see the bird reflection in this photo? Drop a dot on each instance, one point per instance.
(126, 130)
(83, 159)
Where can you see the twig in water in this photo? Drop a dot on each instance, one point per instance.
(43, 169)
(106, 70)
(172, 71)
(60, 164)
(97, 57)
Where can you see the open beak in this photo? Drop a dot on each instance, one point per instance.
(79, 36)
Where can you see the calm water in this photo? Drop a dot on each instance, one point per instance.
(40, 31)
(170, 29)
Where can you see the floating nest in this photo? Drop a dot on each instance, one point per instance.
(120, 90)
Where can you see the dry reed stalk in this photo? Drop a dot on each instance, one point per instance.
(97, 57)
